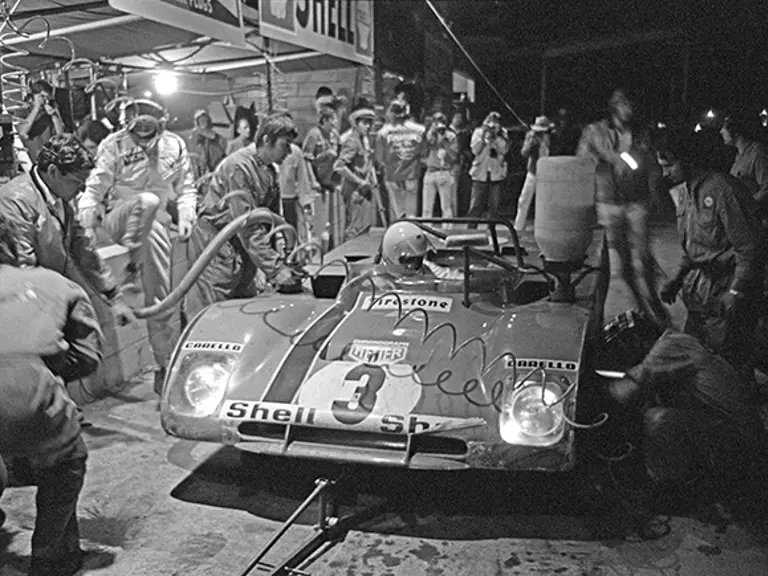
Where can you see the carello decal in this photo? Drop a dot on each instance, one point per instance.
(212, 346)
(531, 363)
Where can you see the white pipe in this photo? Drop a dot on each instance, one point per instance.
(87, 27)
(251, 62)
(10, 13)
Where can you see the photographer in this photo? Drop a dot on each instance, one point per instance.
(442, 158)
(537, 145)
(489, 169)
(44, 119)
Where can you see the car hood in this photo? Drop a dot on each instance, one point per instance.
(385, 364)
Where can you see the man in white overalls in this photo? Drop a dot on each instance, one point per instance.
(139, 169)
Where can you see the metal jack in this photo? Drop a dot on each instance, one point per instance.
(329, 528)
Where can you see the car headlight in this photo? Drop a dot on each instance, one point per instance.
(205, 387)
(532, 415)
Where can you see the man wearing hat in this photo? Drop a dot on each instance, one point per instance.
(398, 148)
(626, 174)
(355, 166)
(138, 169)
(535, 146)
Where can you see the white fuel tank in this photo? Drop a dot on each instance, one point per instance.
(565, 207)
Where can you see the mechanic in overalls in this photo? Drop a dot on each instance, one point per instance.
(243, 181)
(691, 420)
(626, 175)
(49, 334)
(720, 274)
(138, 170)
(40, 206)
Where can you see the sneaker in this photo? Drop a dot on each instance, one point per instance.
(159, 380)
(132, 280)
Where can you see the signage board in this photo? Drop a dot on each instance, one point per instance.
(341, 28)
(220, 19)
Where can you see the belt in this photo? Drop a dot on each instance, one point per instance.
(432, 169)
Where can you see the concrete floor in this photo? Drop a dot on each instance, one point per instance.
(153, 505)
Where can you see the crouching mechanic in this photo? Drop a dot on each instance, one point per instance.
(39, 206)
(720, 273)
(243, 181)
(692, 417)
(138, 170)
(406, 245)
(50, 334)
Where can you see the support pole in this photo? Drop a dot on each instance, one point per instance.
(268, 68)
(543, 87)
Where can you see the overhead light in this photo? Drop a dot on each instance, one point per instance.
(148, 94)
(710, 114)
(661, 125)
(698, 128)
(166, 82)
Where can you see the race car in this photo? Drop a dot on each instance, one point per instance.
(451, 356)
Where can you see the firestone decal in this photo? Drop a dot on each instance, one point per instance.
(213, 346)
(408, 302)
(531, 363)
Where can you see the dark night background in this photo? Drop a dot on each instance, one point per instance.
(728, 53)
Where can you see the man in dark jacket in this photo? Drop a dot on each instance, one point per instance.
(720, 274)
(50, 335)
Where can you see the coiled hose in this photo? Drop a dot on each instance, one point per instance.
(258, 216)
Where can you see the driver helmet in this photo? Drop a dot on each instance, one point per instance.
(405, 244)
(143, 117)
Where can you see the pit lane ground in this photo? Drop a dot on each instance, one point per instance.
(154, 505)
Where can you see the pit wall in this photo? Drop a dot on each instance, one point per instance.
(127, 353)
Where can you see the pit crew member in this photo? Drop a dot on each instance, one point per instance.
(692, 418)
(742, 131)
(39, 205)
(50, 334)
(138, 170)
(719, 277)
(243, 181)
(626, 176)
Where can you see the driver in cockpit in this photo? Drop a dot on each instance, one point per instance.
(407, 246)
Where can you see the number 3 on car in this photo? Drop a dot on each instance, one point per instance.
(351, 391)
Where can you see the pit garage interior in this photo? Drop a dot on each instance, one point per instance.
(155, 505)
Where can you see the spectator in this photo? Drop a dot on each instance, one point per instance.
(398, 147)
(536, 145)
(442, 151)
(50, 334)
(321, 148)
(44, 119)
(489, 168)
(250, 170)
(297, 189)
(742, 131)
(357, 171)
(565, 137)
(138, 170)
(209, 146)
(461, 174)
(720, 273)
(627, 176)
(246, 125)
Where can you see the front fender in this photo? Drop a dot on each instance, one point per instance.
(252, 338)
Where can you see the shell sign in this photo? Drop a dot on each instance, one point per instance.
(341, 28)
